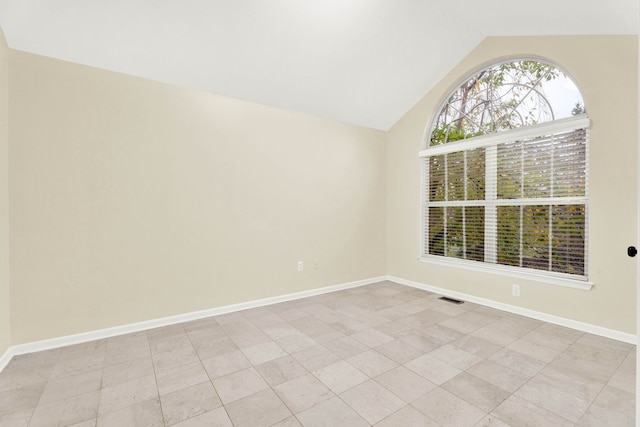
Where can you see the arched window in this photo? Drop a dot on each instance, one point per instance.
(505, 174)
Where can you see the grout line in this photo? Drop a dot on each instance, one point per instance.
(84, 337)
(545, 317)
(185, 317)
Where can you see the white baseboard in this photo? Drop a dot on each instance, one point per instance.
(6, 358)
(556, 320)
(171, 320)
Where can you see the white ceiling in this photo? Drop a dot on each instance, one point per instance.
(365, 62)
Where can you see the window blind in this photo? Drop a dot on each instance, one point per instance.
(516, 198)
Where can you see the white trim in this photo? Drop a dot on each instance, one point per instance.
(170, 320)
(431, 124)
(6, 358)
(550, 318)
(490, 202)
(504, 270)
(548, 128)
(547, 201)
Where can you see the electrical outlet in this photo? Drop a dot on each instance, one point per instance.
(515, 290)
(300, 265)
(315, 264)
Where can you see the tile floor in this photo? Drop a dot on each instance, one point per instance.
(382, 354)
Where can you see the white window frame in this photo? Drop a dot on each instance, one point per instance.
(492, 140)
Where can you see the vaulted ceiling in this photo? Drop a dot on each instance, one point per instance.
(365, 62)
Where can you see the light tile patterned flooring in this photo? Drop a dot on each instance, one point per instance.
(382, 354)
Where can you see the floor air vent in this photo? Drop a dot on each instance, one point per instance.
(451, 300)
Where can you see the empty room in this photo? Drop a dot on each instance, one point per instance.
(318, 213)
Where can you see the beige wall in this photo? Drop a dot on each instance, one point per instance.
(605, 69)
(5, 330)
(133, 200)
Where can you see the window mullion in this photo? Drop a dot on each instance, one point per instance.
(426, 194)
(464, 209)
(491, 214)
(550, 238)
(521, 241)
(551, 184)
(521, 217)
(446, 198)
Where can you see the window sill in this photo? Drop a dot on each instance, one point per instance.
(511, 272)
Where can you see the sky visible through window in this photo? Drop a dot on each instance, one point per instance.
(563, 95)
(507, 96)
(516, 199)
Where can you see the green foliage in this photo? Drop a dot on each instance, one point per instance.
(450, 133)
(539, 70)
(507, 96)
(578, 109)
